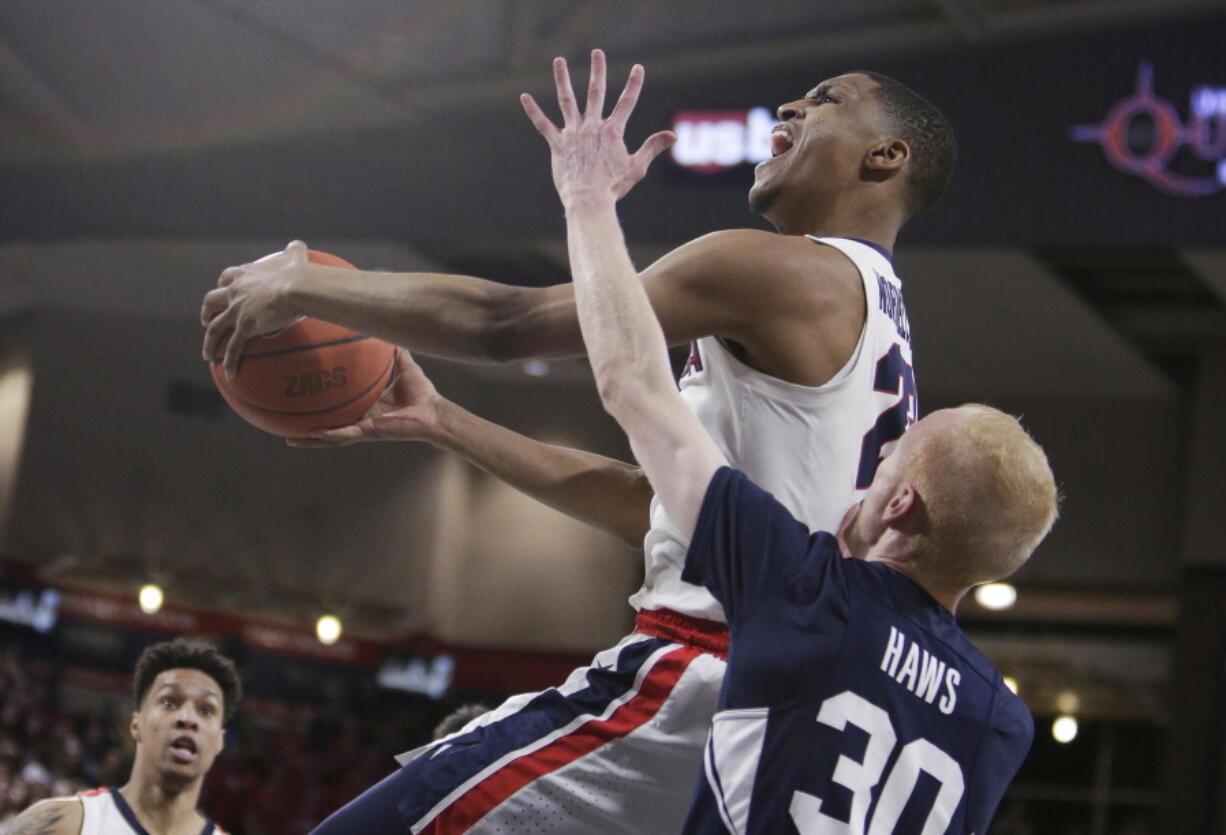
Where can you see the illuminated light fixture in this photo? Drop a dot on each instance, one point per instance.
(1067, 702)
(536, 368)
(328, 629)
(150, 598)
(996, 596)
(1011, 683)
(1064, 729)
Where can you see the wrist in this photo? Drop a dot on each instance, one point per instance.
(442, 432)
(588, 201)
(298, 287)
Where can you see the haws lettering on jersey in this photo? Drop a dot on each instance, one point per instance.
(920, 672)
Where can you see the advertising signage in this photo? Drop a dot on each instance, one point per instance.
(1103, 134)
(1144, 134)
(710, 141)
(1115, 136)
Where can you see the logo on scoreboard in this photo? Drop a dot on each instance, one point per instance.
(1144, 135)
(709, 141)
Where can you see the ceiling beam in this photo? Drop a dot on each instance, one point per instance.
(45, 111)
(1210, 265)
(967, 16)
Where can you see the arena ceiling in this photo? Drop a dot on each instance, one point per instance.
(123, 471)
(112, 79)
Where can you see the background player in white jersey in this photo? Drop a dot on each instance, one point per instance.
(184, 694)
(802, 366)
(826, 633)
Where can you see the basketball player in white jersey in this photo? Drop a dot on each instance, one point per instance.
(184, 694)
(802, 365)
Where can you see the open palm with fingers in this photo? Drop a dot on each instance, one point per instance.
(589, 154)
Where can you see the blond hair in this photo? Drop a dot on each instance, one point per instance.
(989, 495)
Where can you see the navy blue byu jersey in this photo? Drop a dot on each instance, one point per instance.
(852, 703)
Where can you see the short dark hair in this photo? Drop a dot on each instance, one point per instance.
(180, 654)
(923, 127)
(458, 718)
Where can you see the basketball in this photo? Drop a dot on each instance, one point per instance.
(313, 375)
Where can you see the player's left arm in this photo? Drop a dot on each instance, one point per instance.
(602, 492)
(592, 169)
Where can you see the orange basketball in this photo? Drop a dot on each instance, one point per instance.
(313, 375)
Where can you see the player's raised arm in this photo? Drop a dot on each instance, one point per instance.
(718, 284)
(715, 284)
(592, 169)
(454, 316)
(602, 492)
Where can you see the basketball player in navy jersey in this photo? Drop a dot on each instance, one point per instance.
(800, 369)
(184, 693)
(852, 701)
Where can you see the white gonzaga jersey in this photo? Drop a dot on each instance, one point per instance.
(105, 812)
(814, 448)
(102, 817)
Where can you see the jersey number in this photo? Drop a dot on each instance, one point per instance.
(861, 777)
(894, 376)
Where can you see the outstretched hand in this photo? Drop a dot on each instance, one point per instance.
(408, 410)
(249, 301)
(590, 159)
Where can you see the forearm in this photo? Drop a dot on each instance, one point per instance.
(624, 342)
(452, 316)
(629, 358)
(599, 491)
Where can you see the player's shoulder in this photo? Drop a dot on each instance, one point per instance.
(912, 604)
(794, 268)
(757, 243)
(52, 816)
(1012, 715)
(758, 249)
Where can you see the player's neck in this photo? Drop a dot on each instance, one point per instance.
(845, 221)
(164, 807)
(893, 550)
(948, 598)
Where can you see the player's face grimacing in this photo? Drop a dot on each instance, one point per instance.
(818, 145)
(178, 729)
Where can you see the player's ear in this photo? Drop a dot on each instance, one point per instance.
(887, 156)
(134, 726)
(904, 510)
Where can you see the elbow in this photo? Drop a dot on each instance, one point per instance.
(639, 522)
(630, 387)
(633, 535)
(620, 392)
(505, 329)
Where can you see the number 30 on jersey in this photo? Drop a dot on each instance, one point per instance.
(860, 778)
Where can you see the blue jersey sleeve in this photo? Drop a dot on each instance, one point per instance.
(1005, 745)
(746, 546)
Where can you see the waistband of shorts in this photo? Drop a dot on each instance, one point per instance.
(706, 635)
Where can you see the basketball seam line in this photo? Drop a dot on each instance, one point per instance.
(296, 348)
(331, 408)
